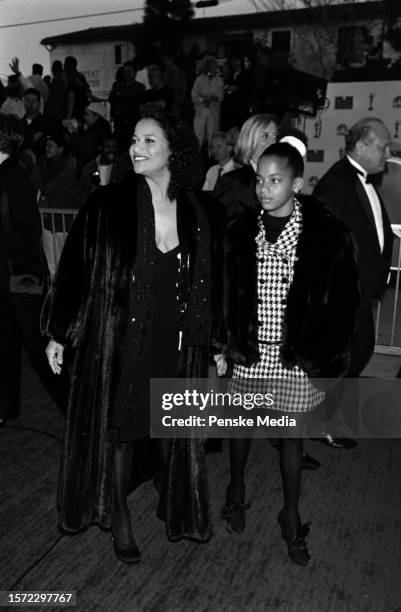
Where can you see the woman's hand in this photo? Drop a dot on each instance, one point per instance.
(221, 364)
(54, 352)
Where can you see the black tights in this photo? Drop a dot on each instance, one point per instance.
(123, 458)
(123, 465)
(291, 450)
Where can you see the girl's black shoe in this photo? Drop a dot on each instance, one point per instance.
(296, 544)
(234, 512)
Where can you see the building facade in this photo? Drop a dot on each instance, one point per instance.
(320, 41)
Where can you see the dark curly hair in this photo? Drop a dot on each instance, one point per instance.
(184, 161)
(11, 134)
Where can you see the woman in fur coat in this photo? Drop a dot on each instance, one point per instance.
(291, 297)
(133, 294)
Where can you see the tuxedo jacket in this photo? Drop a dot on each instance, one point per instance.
(236, 191)
(341, 191)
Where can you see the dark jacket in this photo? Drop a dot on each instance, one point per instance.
(236, 191)
(322, 300)
(85, 144)
(58, 184)
(125, 100)
(33, 131)
(20, 241)
(342, 193)
(88, 306)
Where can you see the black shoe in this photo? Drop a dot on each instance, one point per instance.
(234, 512)
(296, 544)
(309, 463)
(329, 440)
(126, 551)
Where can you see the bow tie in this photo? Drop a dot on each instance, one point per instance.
(366, 177)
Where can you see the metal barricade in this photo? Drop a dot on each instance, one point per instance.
(56, 223)
(388, 334)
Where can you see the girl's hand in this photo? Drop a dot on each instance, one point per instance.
(221, 364)
(54, 352)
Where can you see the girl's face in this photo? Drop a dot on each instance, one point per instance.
(275, 186)
(265, 137)
(149, 150)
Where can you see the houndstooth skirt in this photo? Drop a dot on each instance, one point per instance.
(291, 389)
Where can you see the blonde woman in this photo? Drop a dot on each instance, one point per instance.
(236, 189)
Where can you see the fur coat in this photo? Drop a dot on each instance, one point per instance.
(322, 301)
(87, 307)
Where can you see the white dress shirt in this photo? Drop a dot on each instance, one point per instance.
(104, 172)
(373, 199)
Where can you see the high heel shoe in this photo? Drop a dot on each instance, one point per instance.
(234, 511)
(296, 544)
(126, 552)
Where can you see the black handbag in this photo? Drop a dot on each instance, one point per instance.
(27, 284)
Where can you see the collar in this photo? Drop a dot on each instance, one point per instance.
(359, 168)
(228, 165)
(288, 239)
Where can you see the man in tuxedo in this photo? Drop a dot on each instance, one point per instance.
(347, 192)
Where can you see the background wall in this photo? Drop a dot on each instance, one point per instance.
(345, 104)
(96, 62)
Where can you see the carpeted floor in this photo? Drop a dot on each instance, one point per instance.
(353, 502)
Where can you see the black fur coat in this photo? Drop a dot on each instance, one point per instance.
(322, 301)
(87, 307)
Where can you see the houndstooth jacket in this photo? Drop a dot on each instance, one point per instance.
(317, 320)
(275, 265)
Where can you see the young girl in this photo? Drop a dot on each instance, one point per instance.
(290, 303)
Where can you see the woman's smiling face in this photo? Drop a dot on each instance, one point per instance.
(149, 150)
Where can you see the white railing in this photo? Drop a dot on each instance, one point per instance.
(56, 223)
(388, 333)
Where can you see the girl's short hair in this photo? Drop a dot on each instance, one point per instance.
(285, 151)
(248, 137)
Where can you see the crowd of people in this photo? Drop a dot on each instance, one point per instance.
(158, 277)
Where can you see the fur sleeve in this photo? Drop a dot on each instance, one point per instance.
(60, 316)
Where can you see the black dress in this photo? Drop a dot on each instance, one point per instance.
(163, 362)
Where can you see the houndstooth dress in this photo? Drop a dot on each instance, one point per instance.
(291, 388)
